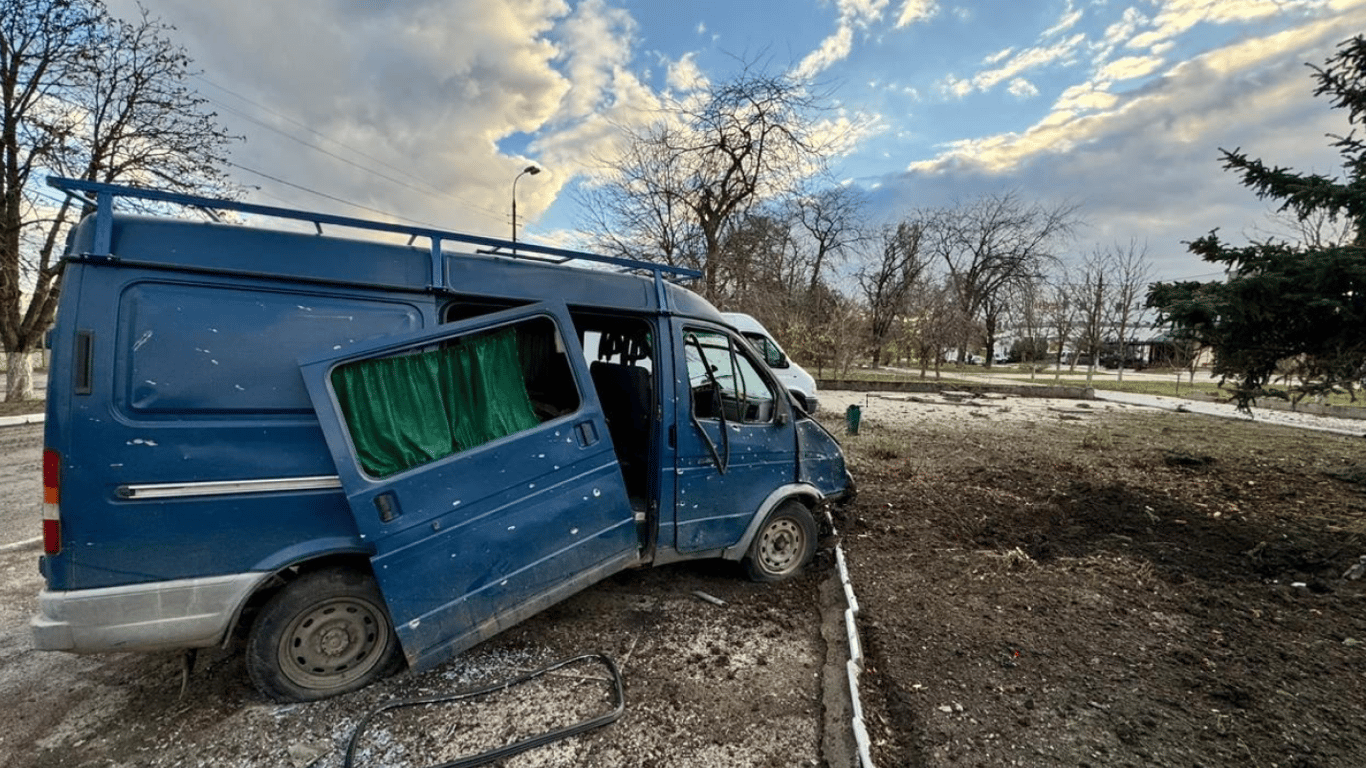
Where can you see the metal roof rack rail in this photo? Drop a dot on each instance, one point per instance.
(104, 228)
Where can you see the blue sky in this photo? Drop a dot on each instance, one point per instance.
(427, 109)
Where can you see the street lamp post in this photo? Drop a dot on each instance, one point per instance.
(533, 170)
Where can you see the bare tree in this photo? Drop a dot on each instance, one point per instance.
(842, 334)
(1095, 293)
(830, 337)
(93, 98)
(886, 279)
(833, 222)
(994, 243)
(1061, 312)
(1026, 308)
(637, 215)
(936, 325)
(706, 163)
(1131, 271)
(761, 273)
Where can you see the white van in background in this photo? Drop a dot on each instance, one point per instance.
(793, 376)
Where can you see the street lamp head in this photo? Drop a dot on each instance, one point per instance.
(532, 170)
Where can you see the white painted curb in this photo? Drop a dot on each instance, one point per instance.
(854, 667)
(26, 418)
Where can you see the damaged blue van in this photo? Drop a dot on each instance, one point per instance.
(360, 456)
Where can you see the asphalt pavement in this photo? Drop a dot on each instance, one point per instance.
(21, 482)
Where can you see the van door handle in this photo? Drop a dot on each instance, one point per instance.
(387, 505)
(588, 433)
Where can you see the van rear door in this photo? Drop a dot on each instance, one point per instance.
(478, 465)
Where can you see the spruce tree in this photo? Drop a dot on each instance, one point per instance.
(1289, 320)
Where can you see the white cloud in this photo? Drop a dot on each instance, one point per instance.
(1086, 97)
(1145, 164)
(1130, 67)
(996, 57)
(954, 87)
(421, 93)
(1175, 17)
(914, 11)
(853, 14)
(832, 49)
(597, 44)
(1069, 19)
(1021, 88)
(1119, 33)
(685, 75)
(1027, 59)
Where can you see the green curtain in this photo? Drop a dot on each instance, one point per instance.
(408, 410)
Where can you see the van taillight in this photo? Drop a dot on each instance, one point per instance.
(52, 515)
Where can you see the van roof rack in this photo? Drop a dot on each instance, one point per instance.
(104, 228)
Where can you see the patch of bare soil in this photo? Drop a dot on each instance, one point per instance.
(1133, 589)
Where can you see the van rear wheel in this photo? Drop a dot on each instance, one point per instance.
(785, 543)
(323, 634)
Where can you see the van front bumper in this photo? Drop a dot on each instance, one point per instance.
(162, 615)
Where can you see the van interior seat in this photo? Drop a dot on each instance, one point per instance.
(624, 391)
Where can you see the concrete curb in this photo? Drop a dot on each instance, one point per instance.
(854, 667)
(845, 742)
(23, 418)
(20, 546)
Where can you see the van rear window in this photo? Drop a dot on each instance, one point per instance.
(188, 349)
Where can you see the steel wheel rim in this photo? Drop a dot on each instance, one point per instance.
(333, 643)
(781, 546)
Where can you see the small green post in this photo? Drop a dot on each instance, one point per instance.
(852, 416)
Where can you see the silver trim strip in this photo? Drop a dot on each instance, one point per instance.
(223, 487)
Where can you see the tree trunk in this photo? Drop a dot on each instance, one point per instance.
(19, 376)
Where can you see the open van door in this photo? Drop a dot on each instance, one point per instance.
(478, 465)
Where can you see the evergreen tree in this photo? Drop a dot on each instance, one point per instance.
(1289, 313)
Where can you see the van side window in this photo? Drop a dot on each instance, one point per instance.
(725, 380)
(772, 355)
(412, 408)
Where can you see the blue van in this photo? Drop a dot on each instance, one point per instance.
(361, 456)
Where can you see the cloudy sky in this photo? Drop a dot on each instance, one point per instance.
(426, 110)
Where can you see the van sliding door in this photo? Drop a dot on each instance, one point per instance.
(477, 462)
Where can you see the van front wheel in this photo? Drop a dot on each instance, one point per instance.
(785, 543)
(323, 634)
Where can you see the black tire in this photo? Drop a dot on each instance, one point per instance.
(785, 543)
(323, 634)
